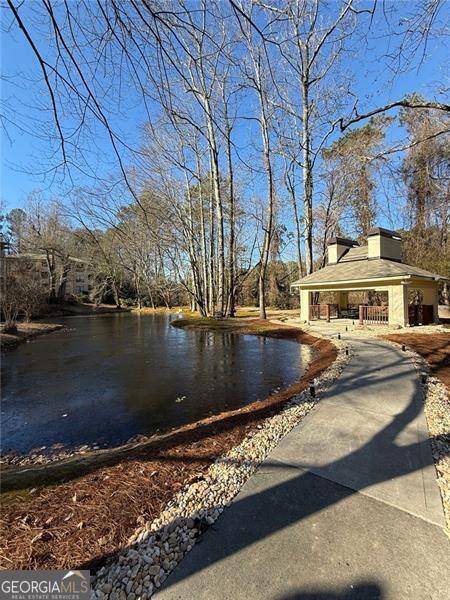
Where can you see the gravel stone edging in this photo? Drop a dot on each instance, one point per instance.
(436, 400)
(157, 547)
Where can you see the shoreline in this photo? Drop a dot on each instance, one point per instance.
(32, 329)
(26, 332)
(133, 482)
(15, 462)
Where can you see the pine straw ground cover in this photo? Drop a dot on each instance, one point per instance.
(90, 515)
(435, 349)
(431, 353)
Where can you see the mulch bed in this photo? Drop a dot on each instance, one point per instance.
(435, 349)
(82, 521)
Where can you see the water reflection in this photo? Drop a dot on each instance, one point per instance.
(111, 377)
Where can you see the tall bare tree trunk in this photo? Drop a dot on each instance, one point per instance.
(231, 300)
(307, 177)
(269, 217)
(204, 249)
(220, 299)
(212, 253)
(197, 288)
(137, 286)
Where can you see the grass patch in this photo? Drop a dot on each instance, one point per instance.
(239, 324)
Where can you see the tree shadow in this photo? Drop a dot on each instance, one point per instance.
(291, 493)
(360, 591)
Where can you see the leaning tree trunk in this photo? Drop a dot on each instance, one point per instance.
(298, 234)
(115, 292)
(150, 296)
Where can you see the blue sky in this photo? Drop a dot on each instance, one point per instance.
(25, 155)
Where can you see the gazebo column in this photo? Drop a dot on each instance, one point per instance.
(430, 296)
(305, 302)
(398, 304)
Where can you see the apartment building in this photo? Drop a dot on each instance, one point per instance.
(80, 274)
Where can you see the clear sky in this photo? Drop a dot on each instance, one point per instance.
(26, 153)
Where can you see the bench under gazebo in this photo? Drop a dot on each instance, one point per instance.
(406, 295)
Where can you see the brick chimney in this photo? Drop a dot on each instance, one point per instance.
(382, 243)
(337, 247)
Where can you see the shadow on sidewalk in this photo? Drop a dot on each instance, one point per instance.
(256, 516)
(361, 591)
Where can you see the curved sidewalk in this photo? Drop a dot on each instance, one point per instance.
(346, 507)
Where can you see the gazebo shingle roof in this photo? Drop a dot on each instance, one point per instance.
(357, 269)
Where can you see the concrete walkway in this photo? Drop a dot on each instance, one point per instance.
(346, 507)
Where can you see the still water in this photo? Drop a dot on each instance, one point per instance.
(107, 378)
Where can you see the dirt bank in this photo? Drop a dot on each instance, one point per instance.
(26, 331)
(104, 496)
(68, 309)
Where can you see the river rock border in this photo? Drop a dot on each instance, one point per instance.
(56, 453)
(156, 547)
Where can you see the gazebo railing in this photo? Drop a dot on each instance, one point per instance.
(373, 315)
(323, 311)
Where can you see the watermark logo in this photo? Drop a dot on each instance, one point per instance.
(44, 585)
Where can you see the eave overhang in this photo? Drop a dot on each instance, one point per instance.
(365, 282)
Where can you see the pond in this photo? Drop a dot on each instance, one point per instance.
(107, 378)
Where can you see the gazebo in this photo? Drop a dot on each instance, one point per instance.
(377, 267)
